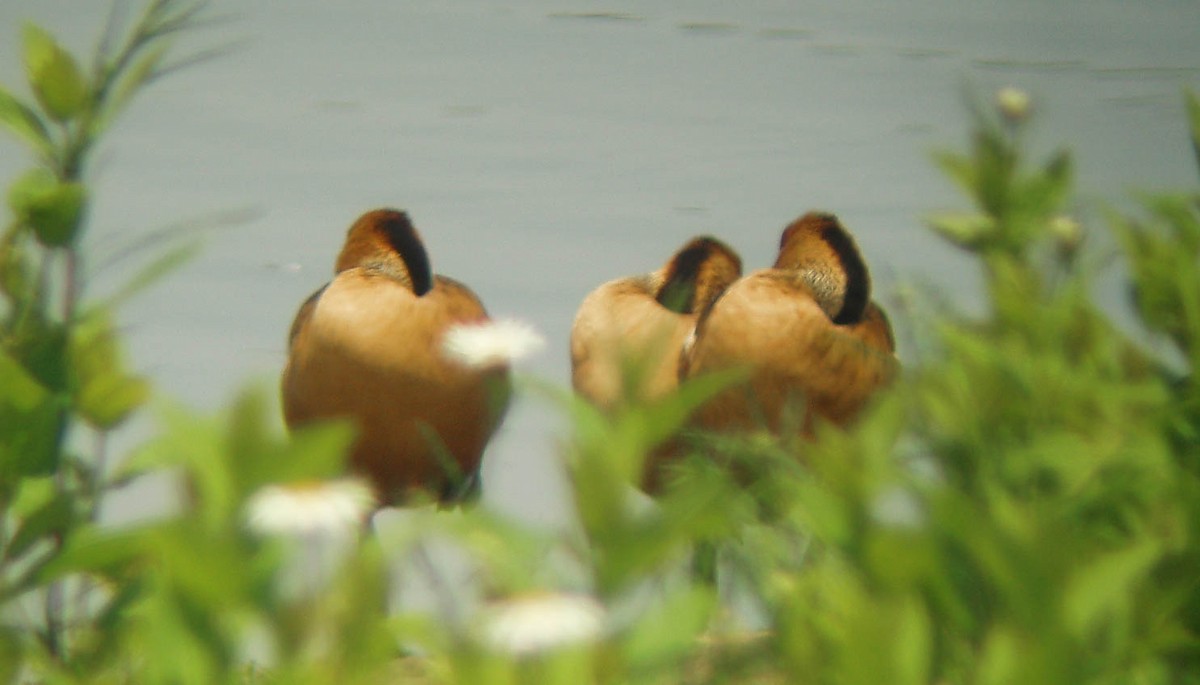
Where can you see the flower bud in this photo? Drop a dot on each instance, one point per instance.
(1013, 104)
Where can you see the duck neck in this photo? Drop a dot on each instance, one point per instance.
(696, 275)
(826, 258)
(386, 241)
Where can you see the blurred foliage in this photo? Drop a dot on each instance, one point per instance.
(1021, 507)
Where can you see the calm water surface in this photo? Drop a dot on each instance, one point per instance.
(543, 147)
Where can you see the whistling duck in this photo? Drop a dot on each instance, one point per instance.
(367, 346)
(806, 329)
(627, 336)
(630, 330)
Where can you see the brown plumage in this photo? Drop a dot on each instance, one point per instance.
(367, 347)
(807, 330)
(627, 336)
(630, 330)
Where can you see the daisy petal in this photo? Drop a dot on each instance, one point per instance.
(541, 622)
(331, 507)
(492, 343)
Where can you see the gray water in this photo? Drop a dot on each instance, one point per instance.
(545, 146)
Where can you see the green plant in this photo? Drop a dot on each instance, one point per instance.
(62, 368)
(1022, 505)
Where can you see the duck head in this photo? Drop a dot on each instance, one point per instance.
(385, 240)
(826, 258)
(697, 274)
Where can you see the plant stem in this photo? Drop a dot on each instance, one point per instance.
(55, 603)
(446, 603)
(99, 482)
(71, 286)
(54, 616)
(96, 489)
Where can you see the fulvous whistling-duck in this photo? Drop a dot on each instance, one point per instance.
(806, 329)
(627, 336)
(630, 330)
(368, 347)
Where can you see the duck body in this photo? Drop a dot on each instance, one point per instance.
(368, 347)
(628, 333)
(624, 345)
(805, 329)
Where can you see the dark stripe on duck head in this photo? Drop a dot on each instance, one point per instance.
(680, 290)
(858, 280)
(385, 240)
(403, 238)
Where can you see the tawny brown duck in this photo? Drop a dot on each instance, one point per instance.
(627, 336)
(806, 329)
(628, 333)
(368, 347)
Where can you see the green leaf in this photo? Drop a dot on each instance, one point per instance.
(23, 122)
(1104, 586)
(211, 570)
(1193, 110)
(30, 424)
(641, 427)
(152, 272)
(314, 452)
(995, 162)
(913, 643)
(53, 75)
(960, 169)
(40, 346)
(193, 445)
(667, 632)
(702, 502)
(30, 443)
(139, 73)
(1181, 218)
(51, 208)
(52, 518)
(11, 654)
(106, 393)
(26, 190)
(17, 273)
(1000, 659)
(664, 417)
(966, 230)
(1041, 194)
(224, 461)
(257, 457)
(108, 400)
(18, 389)
(169, 625)
(100, 550)
(33, 494)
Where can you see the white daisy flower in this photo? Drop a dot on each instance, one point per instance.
(536, 623)
(491, 343)
(308, 508)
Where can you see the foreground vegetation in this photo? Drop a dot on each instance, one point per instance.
(1022, 507)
